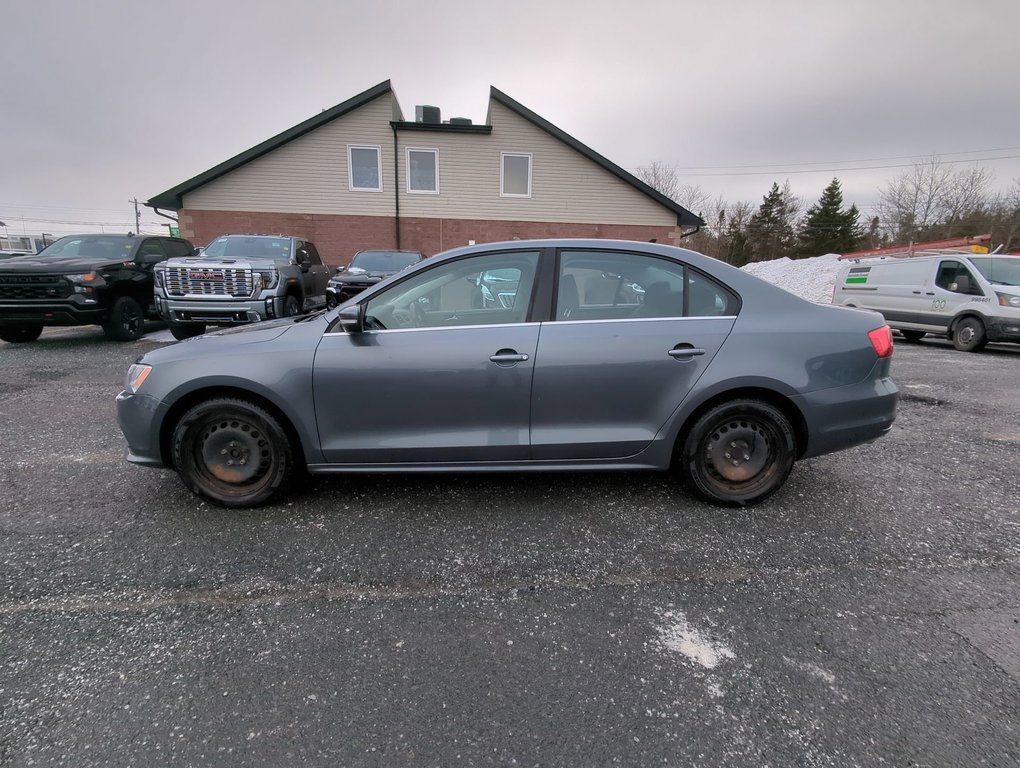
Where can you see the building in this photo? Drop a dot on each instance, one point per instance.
(361, 176)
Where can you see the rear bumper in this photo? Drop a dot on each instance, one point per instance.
(842, 417)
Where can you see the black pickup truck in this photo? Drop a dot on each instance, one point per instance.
(102, 280)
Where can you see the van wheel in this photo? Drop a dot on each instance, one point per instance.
(913, 336)
(969, 335)
(738, 453)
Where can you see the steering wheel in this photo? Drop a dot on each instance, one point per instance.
(418, 319)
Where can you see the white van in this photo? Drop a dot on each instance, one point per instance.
(969, 298)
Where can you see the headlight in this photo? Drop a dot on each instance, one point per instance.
(270, 277)
(161, 278)
(84, 282)
(136, 376)
(1008, 300)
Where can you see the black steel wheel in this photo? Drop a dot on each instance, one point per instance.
(22, 334)
(232, 452)
(126, 321)
(912, 336)
(291, 306)
(188, 331)
(738, 453)
(969, 335)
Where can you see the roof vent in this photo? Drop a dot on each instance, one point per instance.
(460, 121)
(426, 114)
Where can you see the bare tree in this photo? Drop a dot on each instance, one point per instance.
(661, 177)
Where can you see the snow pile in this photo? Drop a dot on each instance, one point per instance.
(811, 279)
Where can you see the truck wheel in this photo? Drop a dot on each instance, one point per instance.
(738, 453)
(331, 301)
(21, 335)
(126, 322)
(232, 452)
(291, 306)
(969, 335)
(189, 331)
(912, 336)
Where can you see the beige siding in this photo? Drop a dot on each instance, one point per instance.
(566, 186)
(309, 174)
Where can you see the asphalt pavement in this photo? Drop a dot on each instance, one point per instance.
(867, 615)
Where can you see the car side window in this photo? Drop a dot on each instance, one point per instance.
(178, 248)
(313, 254)
(486, 289)
(609, 285)
(150, 252)
(707, 298)
(954, 276)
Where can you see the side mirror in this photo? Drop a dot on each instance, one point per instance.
(350, 319)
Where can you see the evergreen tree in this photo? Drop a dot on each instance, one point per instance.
(770, 232)
(827, 228)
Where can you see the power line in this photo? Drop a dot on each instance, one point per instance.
(786, 171)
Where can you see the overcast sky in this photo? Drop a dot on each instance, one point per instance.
(106, 101)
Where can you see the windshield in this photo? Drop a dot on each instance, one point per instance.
(239, 247)
(90, 246)
(385, 261)
(998, 270)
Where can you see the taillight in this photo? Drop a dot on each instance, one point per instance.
(881, 340)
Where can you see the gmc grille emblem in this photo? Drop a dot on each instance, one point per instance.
(205, 276)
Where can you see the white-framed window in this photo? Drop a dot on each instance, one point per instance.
(364, 165)
(423, 171)
(515, 174)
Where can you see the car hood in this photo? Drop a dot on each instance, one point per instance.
(346, 277)
(199, 262)
(58, 265)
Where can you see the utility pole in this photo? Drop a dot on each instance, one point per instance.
(138, 216)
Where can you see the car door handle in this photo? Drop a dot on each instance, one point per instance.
(917, 292)
(507, 356)
(683, 351)
(930, 293)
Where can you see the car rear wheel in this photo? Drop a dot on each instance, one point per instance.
(738, 453)
(232, 452)
(21, 335)
(969, 335)
(912, 336)
(182, 332)
(126, 322)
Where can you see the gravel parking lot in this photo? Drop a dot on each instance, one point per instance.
(867, 615)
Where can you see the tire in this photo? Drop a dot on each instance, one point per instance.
(126, 321)
(331, 301)
(21, 335)
(913, 336)
(291, 306)
(738, 453)
(189, 331)
(232, 452)
(969, 335)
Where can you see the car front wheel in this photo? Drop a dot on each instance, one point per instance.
(127, 320)
(291, 306)
(738, 453)
(232, 452)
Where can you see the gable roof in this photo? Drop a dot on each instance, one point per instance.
(173, 197)
(685, 218)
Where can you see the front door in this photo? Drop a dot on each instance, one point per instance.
(436, 377)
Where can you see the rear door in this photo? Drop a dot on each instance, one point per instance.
(631, 335)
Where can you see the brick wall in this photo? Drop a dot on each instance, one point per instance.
(339, 237)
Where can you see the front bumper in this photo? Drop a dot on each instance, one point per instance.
(140, 417)
(22, 313)
(1003, 329)
(233, 312)
(343, 291)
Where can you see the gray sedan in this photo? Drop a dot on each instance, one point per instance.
(600, 355)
